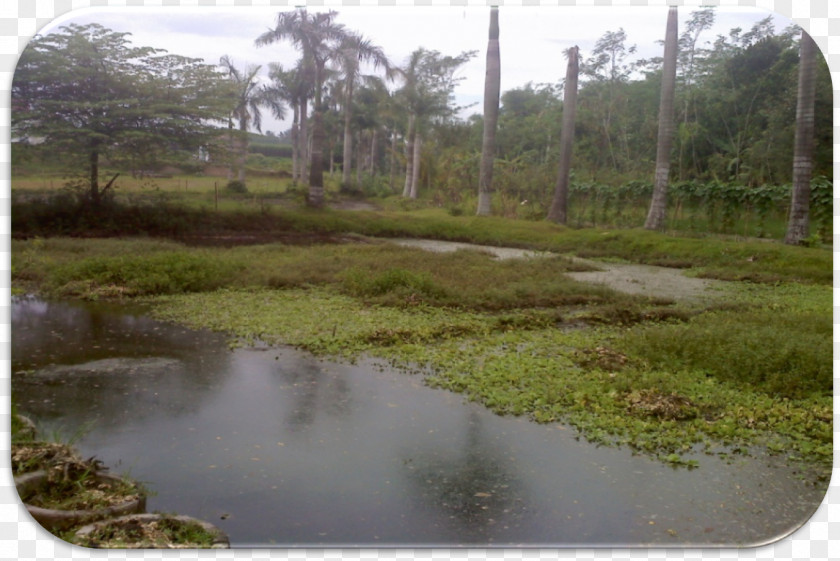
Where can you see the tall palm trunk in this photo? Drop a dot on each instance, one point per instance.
(231, 154)
(295, 140)
(374, 138)
(656, 214)
(415, 170)
(304, 139)
(803, 149)
(492, 86)
(348, 140)
(409, 155)
(360, 159)
(242, 150)
(558, 211)
(316, 163)
(392, 162)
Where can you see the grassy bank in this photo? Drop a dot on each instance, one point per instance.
(708, 256)
(663, 377)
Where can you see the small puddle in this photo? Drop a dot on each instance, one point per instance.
(279, 448)
(445, 246)
(645, 280)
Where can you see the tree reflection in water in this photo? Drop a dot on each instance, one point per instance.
(473, 486)
(314, 389)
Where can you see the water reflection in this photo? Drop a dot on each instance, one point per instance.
(278, 447)
(470, 482)
(312, 391)
(102, 364)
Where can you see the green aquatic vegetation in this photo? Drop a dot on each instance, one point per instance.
(315, 319)
(780, 353)
(752, 367)
(553, 375)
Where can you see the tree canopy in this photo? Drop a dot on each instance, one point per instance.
(88, 92)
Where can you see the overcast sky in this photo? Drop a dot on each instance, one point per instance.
(532, 40)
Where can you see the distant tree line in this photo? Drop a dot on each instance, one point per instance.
(393, 127)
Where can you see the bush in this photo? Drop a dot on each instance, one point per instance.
(780, 353)
(394, 282)
(141, 275)
(236, 186)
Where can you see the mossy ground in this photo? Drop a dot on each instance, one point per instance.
(663, 377)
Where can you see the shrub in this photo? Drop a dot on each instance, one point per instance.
(394, 282)
(785, 354)
(139, 275)
(236, 186)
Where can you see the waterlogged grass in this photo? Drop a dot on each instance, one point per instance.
(551, 372)
(318, 320)
(516, 336)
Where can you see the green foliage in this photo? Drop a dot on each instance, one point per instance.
(106, 97)
(752, 349)
(236, 186)
(140, 275)
(822, 207)
(394, 282)
(513, 335)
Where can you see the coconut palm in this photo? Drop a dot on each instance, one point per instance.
(250, 96)
(352, 52)
(656, 214)
(492, 86)
(803, 148)
(317, 36)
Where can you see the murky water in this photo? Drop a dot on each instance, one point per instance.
(277, 447)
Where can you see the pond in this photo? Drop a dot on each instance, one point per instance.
(278, 447)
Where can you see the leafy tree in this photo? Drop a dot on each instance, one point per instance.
(689, 71)
(604, 99)
(492, 81)
(84, 90)
(529, 121)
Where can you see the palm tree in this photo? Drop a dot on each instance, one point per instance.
(429, 82)
(353, 51)
(317, 37)
(250, 96)
(293, 87)
(492, 86)
(557, 213)
(656, 214)
(409, 95)
(803, 148)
